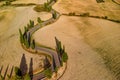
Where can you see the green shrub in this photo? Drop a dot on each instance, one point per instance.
(48, 73)
(64, 57)
(27, 77)
(39, 20)
(54, 15)
(7, 3)
(31, 23)
(26, 43)
(18, 71)
(1, 77)
(39, 8)
(21, 36)
(33, 44)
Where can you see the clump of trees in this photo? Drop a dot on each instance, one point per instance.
(44, 7)
(39, 8)
(18, 75)
(71, 14)
(63, 57)
(39, 21)
(25, 38)
(7, 3)
(47, 7)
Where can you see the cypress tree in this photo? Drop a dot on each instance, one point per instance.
(39, 20)
(54, 15)
(28, 26)
(29, 38)
(26, 43)
(45, 5)
(33, 44)
(20, 32)
(31, 23)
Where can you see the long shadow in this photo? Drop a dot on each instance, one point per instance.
(11, 71)
(1, 69)
(31, 68)
(6, 72)
(23, 65)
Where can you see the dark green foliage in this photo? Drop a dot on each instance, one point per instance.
(29, 39)
(44, 7)
(71, 14)
(33, 44)
(39, 8)
(1, 77)
(7, 3)
(31, 23)
(48, 73)
(28, 26)
(56, 69)
(85, 14)
(47, 7)
(39, 20)
(20, 32)
(21, 36)
(18, 72)
(26, 37)
(25, 28)
(64, 57)
(8, 76)
(26, 43)
(54, 15)
(105, 17)
(27, 77)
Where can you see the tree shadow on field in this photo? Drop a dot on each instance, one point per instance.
(5, 72)
(31, 68)
(23, 65)
(1, 69)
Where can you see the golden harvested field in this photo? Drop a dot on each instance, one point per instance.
(93, 45)
(11, 19)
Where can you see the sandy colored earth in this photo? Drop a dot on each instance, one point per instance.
(108, 8)
(92, 44)
(11, 19)
(84, 63)
(118, 1)
(30, 1)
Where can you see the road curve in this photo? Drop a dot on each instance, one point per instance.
(53, 54)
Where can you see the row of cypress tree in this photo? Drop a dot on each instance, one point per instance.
(63, 57)
(25, 38)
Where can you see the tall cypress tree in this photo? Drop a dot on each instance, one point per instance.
(54, 15)
(39, 20)
(33, 44)
(31, 23)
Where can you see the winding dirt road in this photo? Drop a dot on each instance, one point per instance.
(53, 54)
